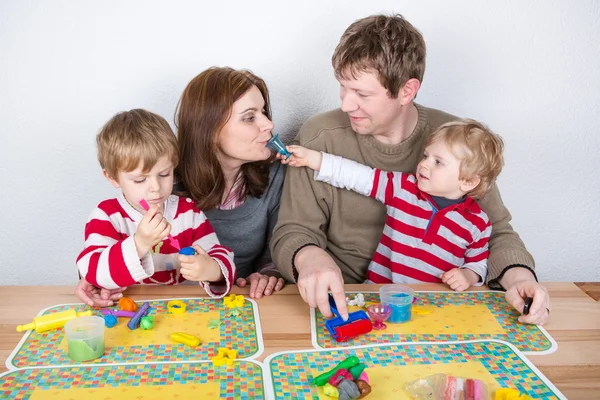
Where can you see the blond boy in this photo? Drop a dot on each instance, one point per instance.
(434, 231)
(124, 243)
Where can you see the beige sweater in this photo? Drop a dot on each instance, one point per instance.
(348, 225)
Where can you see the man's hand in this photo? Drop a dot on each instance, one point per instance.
(200, 267)
(261, 284)
(460, 279)
(96, 297)
(152, 229)
(540, 308)
(317, 275)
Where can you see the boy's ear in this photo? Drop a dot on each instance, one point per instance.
(111, 180)
(466, 185)
(409, 91)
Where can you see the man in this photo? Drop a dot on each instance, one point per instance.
(326, 236)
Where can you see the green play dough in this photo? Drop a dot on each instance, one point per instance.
(85, 350)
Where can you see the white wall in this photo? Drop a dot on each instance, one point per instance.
(531, 70)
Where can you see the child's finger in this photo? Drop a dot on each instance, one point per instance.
(150, 214)
(241, 282)
(199, 250)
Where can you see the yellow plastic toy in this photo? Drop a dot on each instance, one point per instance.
(331, 391)
(185, 338)
(233, 301)
(510, 394)
(176, 307)
(51, 321)
(225, 356)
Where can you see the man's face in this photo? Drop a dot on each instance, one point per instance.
(368, 104)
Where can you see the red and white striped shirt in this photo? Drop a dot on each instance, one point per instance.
(419, 242)
(110, 260)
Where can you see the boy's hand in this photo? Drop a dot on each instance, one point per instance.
(460, 279)
(303, 157)
(152, 229)
(200, 267)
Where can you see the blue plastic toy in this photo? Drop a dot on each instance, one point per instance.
(358, 323)
(277, 146)
(187, 251)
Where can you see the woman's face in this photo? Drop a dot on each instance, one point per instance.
(244, 137)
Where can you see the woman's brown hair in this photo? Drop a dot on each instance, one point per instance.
(203, 110)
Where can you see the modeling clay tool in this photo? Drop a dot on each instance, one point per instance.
(358, 323)
(174, 242)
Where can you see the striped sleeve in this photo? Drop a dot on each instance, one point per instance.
(347, 174)
(205, 237)
(477, 252)
(109, 259)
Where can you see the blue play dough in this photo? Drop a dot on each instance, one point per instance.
(400, 312)
(187, 251)
(110, 320)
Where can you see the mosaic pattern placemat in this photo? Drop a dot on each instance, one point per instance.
(241, 332)
(450, 316)
(389, 367)
(195, 380)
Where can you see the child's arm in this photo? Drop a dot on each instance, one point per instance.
(213, 264)
(474, 270)
(108, 261)
(343, 173)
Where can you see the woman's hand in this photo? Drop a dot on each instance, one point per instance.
(261, 284)
(97, 297)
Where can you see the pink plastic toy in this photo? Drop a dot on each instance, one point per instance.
(174, 242)
(379, 313)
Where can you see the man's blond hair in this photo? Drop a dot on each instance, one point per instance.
(386, 44)
(479, 149)
(135, 137)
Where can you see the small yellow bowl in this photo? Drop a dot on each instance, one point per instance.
(176, 307)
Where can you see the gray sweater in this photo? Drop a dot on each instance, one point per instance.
(247, 229)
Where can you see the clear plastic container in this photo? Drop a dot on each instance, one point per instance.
(85, 338)
(400, 299)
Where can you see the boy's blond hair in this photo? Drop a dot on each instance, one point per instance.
(133, 137)
(386, 44)
(479, 149)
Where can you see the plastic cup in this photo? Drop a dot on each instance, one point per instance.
(400, 299)
(277, 146)
(85, 338)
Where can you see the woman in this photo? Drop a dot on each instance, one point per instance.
(224, 123)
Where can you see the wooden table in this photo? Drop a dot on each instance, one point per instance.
(575, 324)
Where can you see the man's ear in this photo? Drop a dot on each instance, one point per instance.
(467, 185)
(111, 180)
(408, 92)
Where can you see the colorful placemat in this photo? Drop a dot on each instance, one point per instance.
(448, 316)
(194, 380)
(498, 364)
(240, 332)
